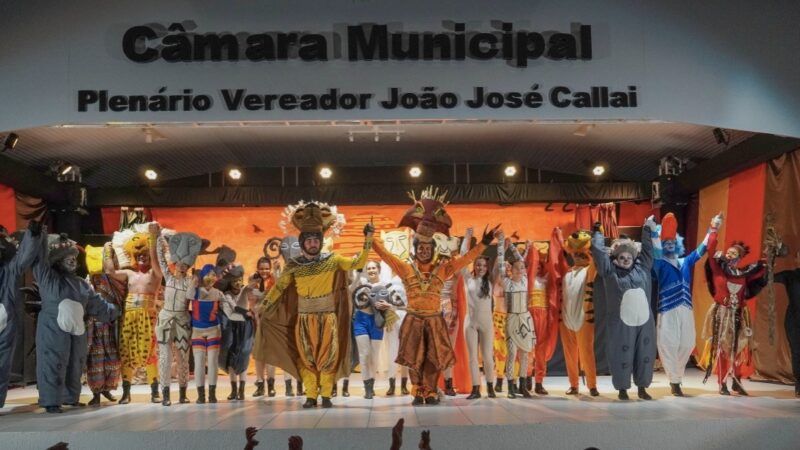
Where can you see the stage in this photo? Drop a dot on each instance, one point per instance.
(769, 418)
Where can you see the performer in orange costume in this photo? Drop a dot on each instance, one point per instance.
(577, 313)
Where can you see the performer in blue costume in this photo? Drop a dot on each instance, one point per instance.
(13, 262)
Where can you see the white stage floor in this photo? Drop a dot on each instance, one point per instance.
(767, 403)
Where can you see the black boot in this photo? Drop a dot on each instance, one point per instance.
(529, 383)
(346, 388)
(310, 403)
(201, 394)
(594, 392)
(271, 387)
(368, 393)
(300, 390)
(326, 402)
(498, 385)
(126, 393)
(723, 389)
(259, 389)
(523, 387)
(240, 396)
(212, 393)
(737, 387)
(95, 401)
(233, 391)
(448, 387)
(289, 391)
(391, 387)
(572, 391)
(154, 398)
(676, 389)
(432, 400)
(54, 409)
(403, 386)
(334, 390)
(623, 394)
(418, 400)
(643, 394)
(476, 392)
(539, 389)
(797, 389)
(490, 390)
(165, 395)
(182, 395)
(109, 396)
(512, 389)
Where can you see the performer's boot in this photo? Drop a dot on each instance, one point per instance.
(201, 394)
(643, 394)
(109, 396)
(623, 394)
(126, 393)
(723, 389)
(182, 395)
(404, 386)
(529, 383)
(797, 389)
(572, 391)
(512, 389)
(419, 399)
(737, 387)
(232, 396)
(346, 388)
(240, 396)
(259, 389)
(368, 392)
(310, 403)
(54, 409)
(270, 387)
(676, 389)
(448, 387)
(594, 392)
(165, 395)
(490, 390)
(335, 391)
(391, 387)
(300, 390)
(212, 393)
(498, 385)
(539, 389)
(154, 398)
(523, 388)
(476, 392)
(326, 402)
(289, 391)
(95, 399)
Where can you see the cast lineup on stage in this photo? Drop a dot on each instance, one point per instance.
(317, 315)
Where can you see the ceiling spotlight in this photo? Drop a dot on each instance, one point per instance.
(325, 172)
(11, 141)
(415, 171)
(350, 137)
(377, 137)
(150, 174)
(397, 137)
(66, 169)
(510, 170)
(583, 130)
(598, 170)
(235, 174)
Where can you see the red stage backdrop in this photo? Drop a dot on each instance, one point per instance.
(8, 208)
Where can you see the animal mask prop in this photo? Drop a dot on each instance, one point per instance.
(184, 248)
(428, 215)
(94, 260)
(61, 247)
(446, 246)
(366, 295)
(397, 242)
(312, 220)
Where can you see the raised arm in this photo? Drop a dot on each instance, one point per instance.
(397, 265)
(701, 249)
(500, 262)
(712, 250)
(602, 263)
(41, 268)
(28, 249)
(465, 248)
(157, 258)
(108, 264)
(646, 255)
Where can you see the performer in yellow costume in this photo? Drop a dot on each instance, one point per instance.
(309, 302)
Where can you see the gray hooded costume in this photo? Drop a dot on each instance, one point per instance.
(11, 267)
(631, 341)
(61, 340)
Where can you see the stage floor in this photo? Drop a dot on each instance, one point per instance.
(766, 404)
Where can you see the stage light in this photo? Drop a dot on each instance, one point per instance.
(397, 137)
(598, 170)
(11, 141)
(67, 168)
(325, 172)
(415, 171)
(235, 174)
(377, 137)
(150, 174)
(350, 137)
(510, 170)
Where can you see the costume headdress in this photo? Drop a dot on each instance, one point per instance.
(428, 215)
(60, 247)
(624, 245)
(578, 242)
(137, 245)
(741, 247)
(312, 217)
(184, 248)
(668, 231)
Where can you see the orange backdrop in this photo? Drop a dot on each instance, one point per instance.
(8, 208)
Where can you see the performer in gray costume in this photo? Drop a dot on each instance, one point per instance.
(61, 341)
(631, 330)
(13, 262)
